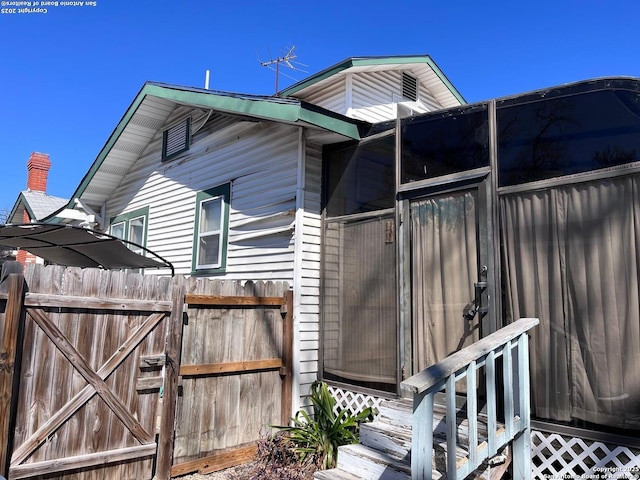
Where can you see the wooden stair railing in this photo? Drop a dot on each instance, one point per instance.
(510, 343)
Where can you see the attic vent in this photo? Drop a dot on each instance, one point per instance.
(409, 86)
(175, 140)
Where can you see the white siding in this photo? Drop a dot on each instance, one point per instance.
(309, 277)
(331, 96)
(369, 96)
(260, 159)
(374, 96)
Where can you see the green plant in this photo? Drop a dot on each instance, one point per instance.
(320, 435)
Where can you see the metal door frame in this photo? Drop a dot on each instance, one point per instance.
(486, 183)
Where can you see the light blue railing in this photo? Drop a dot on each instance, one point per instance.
(510, 343)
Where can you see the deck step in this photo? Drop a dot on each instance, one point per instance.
(386, 438)
(398, 412)
(335, 474)
(384, 451)
(368, 463)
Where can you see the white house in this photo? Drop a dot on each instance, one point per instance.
(409, 225)
(229, 185)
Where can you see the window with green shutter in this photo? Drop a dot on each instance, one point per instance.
(132, 228)
(211, 230)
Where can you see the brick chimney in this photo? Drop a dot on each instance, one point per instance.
(38, 167)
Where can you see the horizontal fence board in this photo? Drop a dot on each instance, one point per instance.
(231, 300)
(100, 459)
(217, 461)
(77, 302)
(149, 383)
(231, 367)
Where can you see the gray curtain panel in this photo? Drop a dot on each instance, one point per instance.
(571, 257)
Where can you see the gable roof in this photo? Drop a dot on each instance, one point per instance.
(38, 205)
(422, 66)
(155, 102)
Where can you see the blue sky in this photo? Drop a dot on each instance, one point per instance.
(67, 76)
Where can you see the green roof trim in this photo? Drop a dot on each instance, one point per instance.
(372, 61)
(268, 108)
(14, 211)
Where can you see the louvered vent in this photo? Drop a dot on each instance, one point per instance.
(409, 86)
(176, 139)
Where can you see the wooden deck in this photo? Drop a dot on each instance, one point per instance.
(384, 451)
(417, 440)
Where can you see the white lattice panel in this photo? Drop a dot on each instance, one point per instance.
(353, 401)
(557, 457)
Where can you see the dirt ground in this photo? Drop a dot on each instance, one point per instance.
(241, 472)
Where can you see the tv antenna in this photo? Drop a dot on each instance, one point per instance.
(287, 60)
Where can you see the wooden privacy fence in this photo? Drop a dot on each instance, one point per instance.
(236, 371)
(118, 375)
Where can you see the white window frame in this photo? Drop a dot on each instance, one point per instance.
(222, 194)
(210, 233)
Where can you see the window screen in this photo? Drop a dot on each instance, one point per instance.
(441, 144)
(552, 137)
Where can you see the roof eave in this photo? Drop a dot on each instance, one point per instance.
(267, 108)
(21, 200)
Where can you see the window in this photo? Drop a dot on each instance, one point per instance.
(132, 227)
(567, 135)
(176, 139)
(211, 225)
(361, 177)
(360, 302)
(441, 144)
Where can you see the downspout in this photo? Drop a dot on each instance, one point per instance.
(297, 269)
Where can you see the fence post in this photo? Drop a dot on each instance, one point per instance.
(173, 351)
(9, 379)
(287, 359)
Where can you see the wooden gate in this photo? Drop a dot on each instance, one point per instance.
(81, 344)
(118, 375)
(235, 371)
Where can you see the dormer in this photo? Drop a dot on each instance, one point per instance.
(377, 89)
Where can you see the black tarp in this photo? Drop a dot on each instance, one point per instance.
(77, 247)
